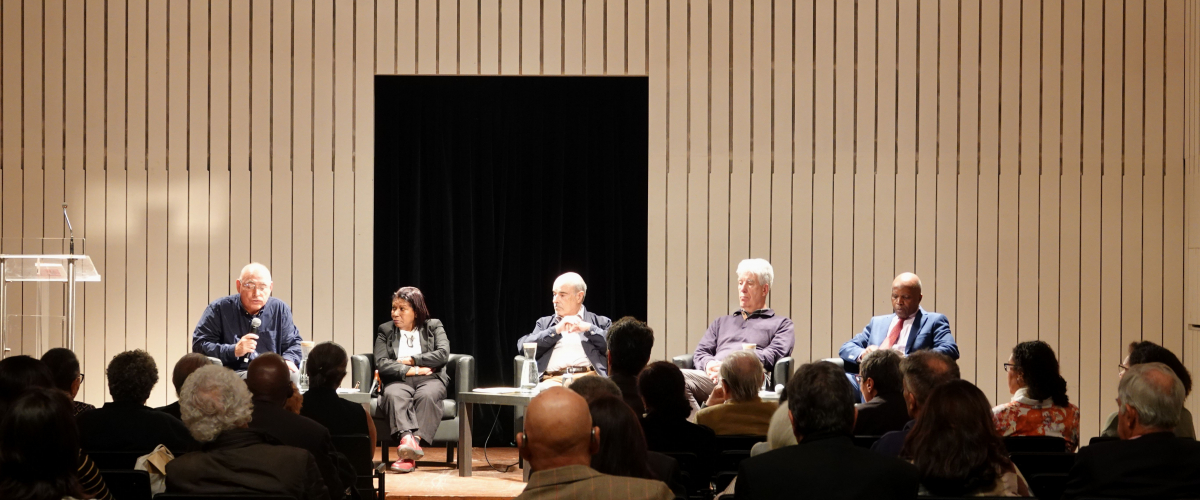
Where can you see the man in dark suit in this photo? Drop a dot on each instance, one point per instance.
(572, 340)
(909, 328)
(1149, 461)
(883, 392)
(825, 464)
(922, 371)
(127, 424)
(269, 381)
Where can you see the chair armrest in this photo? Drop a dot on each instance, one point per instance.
(362, 367)
(841, 363)
(215, 361)
(782, 372)
(461, 368)
(684, 361)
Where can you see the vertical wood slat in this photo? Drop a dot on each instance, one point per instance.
(1155, 145)
(302, 152)
(1008, 227)
(676, 324)
(364, 174)
(1069, 191)
(1028, 167)
(865, 166)
(884, 219)
(51, 52)
(552, 38)
(986, 374)
(322, 154)
(1174, 323)
(1090, 320)
(802, 183)
(177, 328)
(1111, 309)
(1051, 176)
(761, 168)
(844, 167)
(779, 252)
(822, 180)
(740, 117)
(719, 282)
(156, 182)
(594, 56)
(510, 37)
(94, 163)
(33, 178)
(279, 177)
(1133, 173)
(945, 279)
(656, 209)
(114, 181)
(926, 129)
(198, 166)
(343, 172)
(11, 106)
(426, 33)
(134, 211)
(965, 321)
(697, 173)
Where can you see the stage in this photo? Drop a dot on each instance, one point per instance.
(436, 479)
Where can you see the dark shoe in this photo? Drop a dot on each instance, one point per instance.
(410, 448)
(404, 466)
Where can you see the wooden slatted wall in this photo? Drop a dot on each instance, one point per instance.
(1025, 157)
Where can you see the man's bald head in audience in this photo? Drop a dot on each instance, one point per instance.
(558, 431)
(269, 379)
(923, 371)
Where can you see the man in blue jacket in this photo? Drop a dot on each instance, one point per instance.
(572, 340)
(909, 328)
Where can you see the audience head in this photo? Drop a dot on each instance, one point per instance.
(408, 309)
(623, 450)
(742, 376)
(906, 295)
(40, 450)
(185, 366)
(879, 374)
(65, 367)
(755, 277)
(1032, 366)
(923, 371)
(558, 431)
(954, 444)
(269, 379)
(820, 400)
(629, 345)
(569, 291)
(326, 366)
(213, 400)
(1149, 352)
(255, 285)
(663, 390)
(131, 376)
(592, 388)
(1150, 398)
(18, 373)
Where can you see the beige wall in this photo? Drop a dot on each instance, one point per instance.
(1025, 158)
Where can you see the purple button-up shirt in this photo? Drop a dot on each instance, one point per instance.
(773, 335)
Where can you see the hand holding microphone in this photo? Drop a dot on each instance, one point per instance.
(249, 341)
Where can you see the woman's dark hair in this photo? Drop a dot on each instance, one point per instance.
(1035, 359)
(622, 443)
(663, 391)
(416, 299)
(954, 444)
(326, 366)
(39, 456)
(64, 366)
(21, 373)
(1149, 352)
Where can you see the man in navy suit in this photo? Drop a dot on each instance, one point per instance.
(909, 328)
(573, 339)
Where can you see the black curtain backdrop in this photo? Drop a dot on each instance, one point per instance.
(487, 188)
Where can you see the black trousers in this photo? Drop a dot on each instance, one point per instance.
(414, 405)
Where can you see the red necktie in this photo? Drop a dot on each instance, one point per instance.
(893, 335)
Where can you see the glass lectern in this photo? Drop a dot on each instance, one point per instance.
(42, 269)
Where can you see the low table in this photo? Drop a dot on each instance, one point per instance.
(466, 401)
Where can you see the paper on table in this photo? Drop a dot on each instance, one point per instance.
(497, 390)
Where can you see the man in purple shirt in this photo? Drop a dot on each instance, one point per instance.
(772, 336)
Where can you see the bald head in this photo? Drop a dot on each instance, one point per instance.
(269, 379)
(558, 430)
(1151, 398)
(906, 295)
(254, 285)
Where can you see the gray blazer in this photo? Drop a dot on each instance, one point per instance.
(435, 351)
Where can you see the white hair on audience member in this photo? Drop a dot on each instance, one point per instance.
(573, 279)
(213, 400)
(743, 375)
(1142, 388)
(760, 268)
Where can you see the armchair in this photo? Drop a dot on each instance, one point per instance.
(781, 373)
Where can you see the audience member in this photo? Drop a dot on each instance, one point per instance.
(294, 402)
(923, 371)
(216, 408)
(185, 366)
(65, 367)
(629, 345)
(956, 448)
(1149, 461)
(734, 406)
(559, 441)
(127, 424)
(38, 455)
(1039, 405)
(882, 389)
(326, 367)
(825, 464)
(666, 424)
(592, 388)
(622, 442)
(269, 382)
(1149, 352)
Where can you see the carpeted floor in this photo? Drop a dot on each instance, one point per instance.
(439, 480)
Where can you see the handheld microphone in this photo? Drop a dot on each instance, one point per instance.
(254, 324)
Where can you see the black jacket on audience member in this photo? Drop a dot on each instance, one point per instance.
(246, 461)
(825, 467)
(128, 426)
(304, 433)
(892, 443)
(881, 415)
(1153, 466)
(172, 410)
(340, 416)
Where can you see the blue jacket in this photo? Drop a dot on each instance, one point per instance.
(930, 330)
(595, 343)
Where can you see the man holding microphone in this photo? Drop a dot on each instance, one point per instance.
(239, 327)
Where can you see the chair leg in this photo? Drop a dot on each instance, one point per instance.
(450, 452)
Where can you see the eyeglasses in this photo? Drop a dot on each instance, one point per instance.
(251, 286)
(81, 378)
(859, 379)
(1121, 369)
(1009, 366)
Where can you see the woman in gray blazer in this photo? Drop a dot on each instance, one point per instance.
(410, 356)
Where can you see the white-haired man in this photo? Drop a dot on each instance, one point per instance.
(753, 323)
(572, 340)
(224, 330)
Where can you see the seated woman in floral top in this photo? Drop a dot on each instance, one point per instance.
(1039, 405)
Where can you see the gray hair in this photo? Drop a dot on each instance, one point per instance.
(760, 268)
(214, 399)
(743, 375)
(573, 279)
(255, 266)
(1155, 392)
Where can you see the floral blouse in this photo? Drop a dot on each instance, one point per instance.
(1027, 417)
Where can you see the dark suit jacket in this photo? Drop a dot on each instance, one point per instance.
(1154, 466)
(305, 433)
(825, 467)
(892, 443)
(172, 410)
(881, 415)
(435, 352)
(595, 345)
(246, 461)
(930, 330)
(629, 392)
(126, 426)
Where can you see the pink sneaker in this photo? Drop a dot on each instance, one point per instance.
(404, 466)
(410, 448)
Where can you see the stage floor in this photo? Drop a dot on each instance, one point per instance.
(434, 479)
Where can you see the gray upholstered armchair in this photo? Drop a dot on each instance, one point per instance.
(460, 367)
